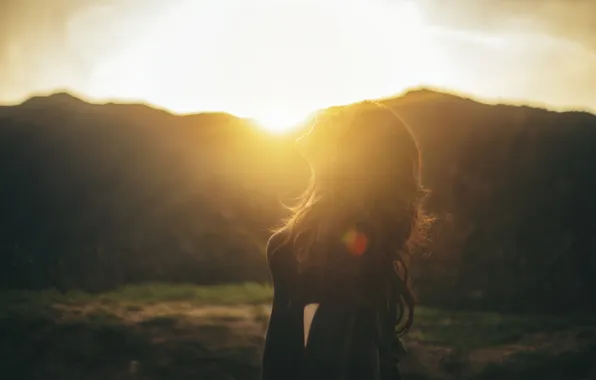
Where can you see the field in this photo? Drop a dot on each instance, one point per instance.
(180, 332)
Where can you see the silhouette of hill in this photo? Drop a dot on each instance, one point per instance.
(95, 196)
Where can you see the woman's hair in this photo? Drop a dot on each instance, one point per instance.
(365, 167)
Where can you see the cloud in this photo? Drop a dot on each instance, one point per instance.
(36, 40)
(545, 69)
(518, 49)
(32, 37)
(569, 19)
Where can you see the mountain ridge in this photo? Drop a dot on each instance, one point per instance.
(414, 94)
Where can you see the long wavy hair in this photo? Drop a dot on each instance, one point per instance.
(365, 170)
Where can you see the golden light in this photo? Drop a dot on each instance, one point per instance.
(259, 61)
(280, 120)
(245, 57)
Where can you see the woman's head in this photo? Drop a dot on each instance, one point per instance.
(366, 134)
(365, 167)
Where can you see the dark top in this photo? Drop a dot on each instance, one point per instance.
(344, 337)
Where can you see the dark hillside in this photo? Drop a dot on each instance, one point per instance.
(95, 196)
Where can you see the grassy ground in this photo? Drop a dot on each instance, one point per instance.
(186, 332)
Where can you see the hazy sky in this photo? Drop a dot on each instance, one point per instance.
(279, 59)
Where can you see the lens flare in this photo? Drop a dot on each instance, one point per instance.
(355, 241)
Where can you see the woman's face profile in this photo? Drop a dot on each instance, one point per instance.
(309, 146)
(302, 143)
(319, 142)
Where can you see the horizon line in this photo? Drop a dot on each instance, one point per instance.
(495, 101)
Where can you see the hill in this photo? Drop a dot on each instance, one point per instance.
(96, 196)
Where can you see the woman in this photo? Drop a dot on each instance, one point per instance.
(344, 249)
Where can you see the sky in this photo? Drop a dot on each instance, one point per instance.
(278, 60)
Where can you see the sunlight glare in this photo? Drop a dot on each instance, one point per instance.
(241, 56)
(280, 120)
(364, 50)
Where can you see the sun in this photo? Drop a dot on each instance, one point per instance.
(280, 120)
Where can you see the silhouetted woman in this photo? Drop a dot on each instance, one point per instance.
(344, 250)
